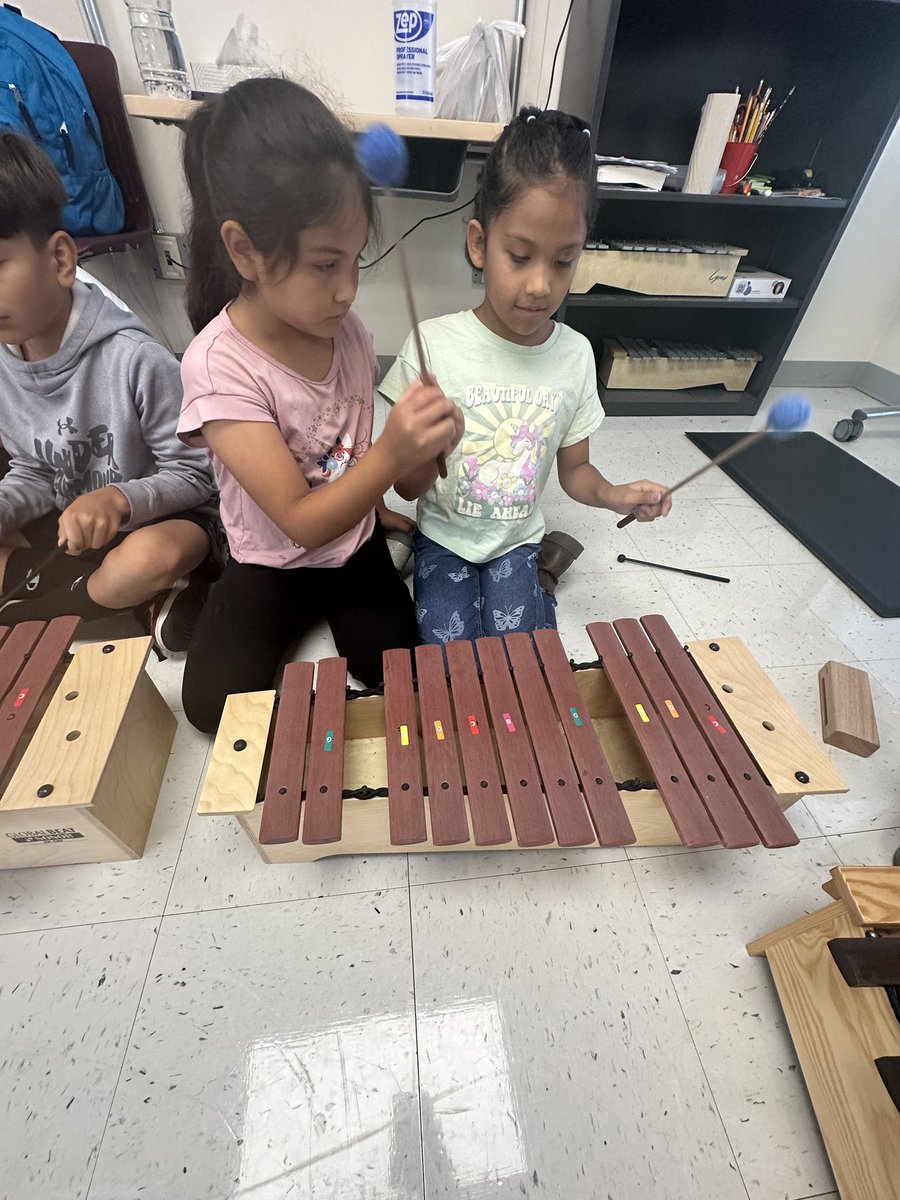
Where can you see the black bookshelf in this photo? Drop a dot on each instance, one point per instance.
(641, 69)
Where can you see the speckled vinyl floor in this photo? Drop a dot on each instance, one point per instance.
(581, 1025)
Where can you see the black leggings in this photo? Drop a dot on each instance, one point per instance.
(255, 613)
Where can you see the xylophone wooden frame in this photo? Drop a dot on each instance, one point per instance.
(84, 742)
(776, 739)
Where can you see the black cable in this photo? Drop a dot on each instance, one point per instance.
(412, 228)
(173, 262)
(556, 51)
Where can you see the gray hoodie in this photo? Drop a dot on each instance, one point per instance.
(100, 411)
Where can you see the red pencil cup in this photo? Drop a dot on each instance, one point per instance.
(737, 160)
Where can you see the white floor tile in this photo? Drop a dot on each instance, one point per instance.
(704, 908)
(874, 849)
(273, 1058)
(441, 868)
(221, 868)
(822, 595)
(553, 1057)
(887, 672)
(67, 1001)
(695, 534)
(49, 897)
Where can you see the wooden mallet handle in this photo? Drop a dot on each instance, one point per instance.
(424, 374)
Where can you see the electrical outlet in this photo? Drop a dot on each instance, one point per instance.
(169, 256)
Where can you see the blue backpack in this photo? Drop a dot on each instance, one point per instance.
(42, 96)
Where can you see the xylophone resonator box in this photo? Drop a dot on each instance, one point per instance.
(513, 748)
(84, 743)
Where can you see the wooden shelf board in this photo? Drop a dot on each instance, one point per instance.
(633, 300)
(161, 108)
(665, 197)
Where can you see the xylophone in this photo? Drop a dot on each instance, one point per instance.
(636, 363)
(658, 268)
(655, 744)
(837, 972)
(84, 742)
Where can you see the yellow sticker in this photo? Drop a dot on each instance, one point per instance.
(404, 735)
(642, 714)
(671, 707)
(439, 730)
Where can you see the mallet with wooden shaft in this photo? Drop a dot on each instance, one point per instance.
(788, 414)
(382, 155)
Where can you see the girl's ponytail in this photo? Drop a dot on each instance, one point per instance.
(212, 280)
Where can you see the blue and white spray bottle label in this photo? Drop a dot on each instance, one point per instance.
(414, 52)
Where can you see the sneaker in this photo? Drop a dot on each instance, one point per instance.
(173, 615)
(400, 546)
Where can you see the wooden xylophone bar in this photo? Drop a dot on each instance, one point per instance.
(509, 756)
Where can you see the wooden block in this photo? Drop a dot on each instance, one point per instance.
(406, 801)
(234, 776)
(848, 717)
(867, 961)
(323, 807)
(871, 894)
(284, 779)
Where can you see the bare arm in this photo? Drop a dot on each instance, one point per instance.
(256, 454)
(581, 480)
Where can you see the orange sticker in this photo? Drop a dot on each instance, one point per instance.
(671, 707)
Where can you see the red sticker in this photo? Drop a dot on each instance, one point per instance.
(721, 728)
(20, 699)
(473, 724)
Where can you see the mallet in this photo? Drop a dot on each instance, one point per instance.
(786, 415)
(382, 155)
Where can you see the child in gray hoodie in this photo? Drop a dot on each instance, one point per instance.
(88, 408)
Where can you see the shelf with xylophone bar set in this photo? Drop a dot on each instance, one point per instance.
(837, 973)
(84, 741)
(656, 744)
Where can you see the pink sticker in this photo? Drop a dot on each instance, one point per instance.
(509, 724)
(716, 724)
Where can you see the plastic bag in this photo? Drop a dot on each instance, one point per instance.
(473, 74)
(242, 48)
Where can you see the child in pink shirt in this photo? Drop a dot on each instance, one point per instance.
(278, 388)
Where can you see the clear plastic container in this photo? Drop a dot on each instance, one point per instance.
(158, 50)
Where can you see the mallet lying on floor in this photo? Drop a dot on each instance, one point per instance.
(787, 414)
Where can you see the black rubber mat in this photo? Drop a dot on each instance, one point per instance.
(844, 512)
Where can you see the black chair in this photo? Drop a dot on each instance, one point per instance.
(98, 69)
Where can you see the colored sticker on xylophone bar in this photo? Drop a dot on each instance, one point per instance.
(641, 712)
(473, 725)
(577, 718)
(671, 707)
(329, 740)
(439, 731)
(404, 735)
(508, 722)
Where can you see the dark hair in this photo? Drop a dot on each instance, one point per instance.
(537, 146)
(32, 195)
(269, 155)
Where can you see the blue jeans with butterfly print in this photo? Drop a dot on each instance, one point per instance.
(458, 600)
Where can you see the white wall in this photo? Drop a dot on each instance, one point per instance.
(341, 48)
(887, 352)
(859, 295)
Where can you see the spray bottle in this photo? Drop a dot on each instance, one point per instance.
(414, 56)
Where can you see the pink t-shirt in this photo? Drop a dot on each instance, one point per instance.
(327, 425)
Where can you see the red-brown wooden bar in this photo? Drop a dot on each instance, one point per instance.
(284, 784)
(561, 789)
(490, 822)
(689, 817)
(323, 809)
(406, 802)
(523, 782)
(446, 802)
(728, 815)
(39, 671)
(15, 650)
(597, 780)
(752, 790)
